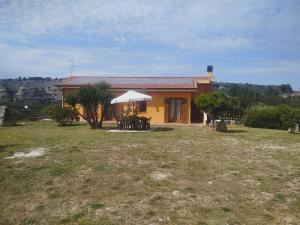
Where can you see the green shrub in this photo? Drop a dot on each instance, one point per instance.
(11, 117)
(273, 117)
(290, 117)
(63, 116)
(47, 110)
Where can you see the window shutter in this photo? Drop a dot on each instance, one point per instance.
(166, 118)
(184, 111)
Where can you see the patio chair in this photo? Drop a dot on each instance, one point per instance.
(127, 122)
(145, 123)
(148, 123)
(136, 122)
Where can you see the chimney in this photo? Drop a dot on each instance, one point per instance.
(210, 72)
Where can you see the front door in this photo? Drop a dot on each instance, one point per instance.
(196, 114)
(109, 112)
(175, 110)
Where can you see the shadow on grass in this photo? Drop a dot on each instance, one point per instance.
(4, 147)
(163, 129)
(77, 124)
(236, 131)
(14, 125)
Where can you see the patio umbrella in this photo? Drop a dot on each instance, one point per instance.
(131, 96)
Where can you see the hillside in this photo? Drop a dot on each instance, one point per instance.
(31, 89)
(235, 87)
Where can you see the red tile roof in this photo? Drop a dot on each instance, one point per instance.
(135, 82)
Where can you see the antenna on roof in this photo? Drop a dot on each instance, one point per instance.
(72, 67)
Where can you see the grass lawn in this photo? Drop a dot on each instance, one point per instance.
(175, 175)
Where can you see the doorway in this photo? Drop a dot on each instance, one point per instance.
(175, 110)
(196, 114)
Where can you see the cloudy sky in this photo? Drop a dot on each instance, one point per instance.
(254, 41)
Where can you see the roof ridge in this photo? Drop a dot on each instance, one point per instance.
(135, 81)
(134, 77)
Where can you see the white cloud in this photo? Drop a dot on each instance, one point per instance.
(217, 32)
(267, 68)
(40, 60)
(195, 25)
(44, 60)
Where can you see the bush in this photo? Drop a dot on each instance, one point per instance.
(47, 110)
(63, 116)
(11, 117)
(273, 117)
(290, 117)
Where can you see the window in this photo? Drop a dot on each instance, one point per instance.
(142, 106)
(175, 109)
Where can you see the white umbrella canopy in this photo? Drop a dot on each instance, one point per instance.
(131, 96)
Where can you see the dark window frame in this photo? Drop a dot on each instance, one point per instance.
(142, 106)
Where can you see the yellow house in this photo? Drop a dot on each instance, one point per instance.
(172, 97)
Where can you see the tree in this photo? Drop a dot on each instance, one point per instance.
(216, 104)
(235, 109)
(90, 98)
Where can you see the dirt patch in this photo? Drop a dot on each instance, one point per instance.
(261, 197)
(231, 141)
(158, 175)
(33, 153)
(177, 193)
(144, 162)
(294, 184)
(134, 145)
(250, 183)
(270, 146)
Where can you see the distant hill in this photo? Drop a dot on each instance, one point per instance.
(39, 89)
(35, 89)
(230, 88)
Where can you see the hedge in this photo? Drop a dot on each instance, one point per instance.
(273, 117)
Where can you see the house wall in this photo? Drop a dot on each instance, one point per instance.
(69, 91)
(156, 107)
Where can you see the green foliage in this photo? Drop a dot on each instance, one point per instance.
(63, 116)
(11, 117)
(33, 111)
(220, 106)
(273, 117)
(47, 110)
(213, 103)
(289, 116)
(235, 109)
(90, 98)
(72, 100)
(250, 95)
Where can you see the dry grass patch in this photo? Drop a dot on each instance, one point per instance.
(185, 175)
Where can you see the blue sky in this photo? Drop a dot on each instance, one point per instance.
(255, 41)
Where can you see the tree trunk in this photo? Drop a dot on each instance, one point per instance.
(92, 117)
(100, 124)
(88, 120)
(213, 122)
